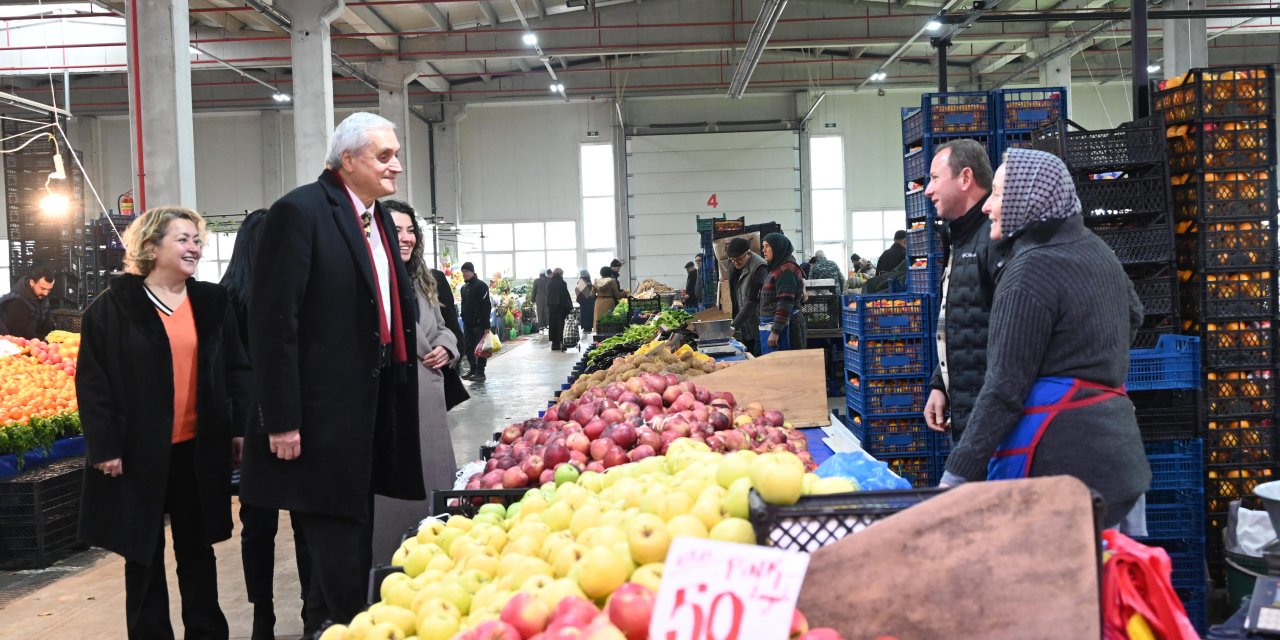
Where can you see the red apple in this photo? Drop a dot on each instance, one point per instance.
(562, 633)
(799, 625)
(595, 466)
(630, 609)
(594, 428)
(640, 453)
(647, 436)
(473, 485)
(631, 396)
(492, 479)
(774, 417)
(669, 396)
(491, 464)
(599, 448)
(577, 442)
(669, 436)
(822, 633)
(611, 415)
(652, 412)
(671, 379)
(613, 390)
(733, 440)
(702, 395)
(554, 455)
(625, 435)
(548, 476)
(584, 412)
(527, 613)
(574, 611)
(507, 462)
(514, 478)
(716, 443)
(495, 630)
(651, 399)
(614, 457)
(551, 414)
(510, 434)
(578, 459)
(533, 466)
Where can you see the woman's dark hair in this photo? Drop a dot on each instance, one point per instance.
(238, 278)
(606, 272)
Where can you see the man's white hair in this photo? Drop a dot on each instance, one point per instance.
(352, 135)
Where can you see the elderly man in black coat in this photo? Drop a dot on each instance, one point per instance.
(332, 313)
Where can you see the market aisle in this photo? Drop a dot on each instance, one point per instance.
(89, 603)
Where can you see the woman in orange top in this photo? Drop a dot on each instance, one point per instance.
(161, 383)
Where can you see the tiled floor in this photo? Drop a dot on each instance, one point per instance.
(83, 596)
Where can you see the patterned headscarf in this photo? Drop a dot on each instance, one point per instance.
(1037, 187)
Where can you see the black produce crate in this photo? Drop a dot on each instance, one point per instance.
(1141, 142)
(1157, 288)
(822, 315)
(1226, 483)
(1167, 414)
(608, 329)
(1235, 442)
(1143, 194)
(1222, 146)
(39, 514)
(1148, 244)
(1227, 246)
(817, 521)
(641, 310)
(1152, 328)
(1027, 109)
(1233, 345)
(468, 503)
(1240, 394)
(924, 241)
(958, 112)
(1226, 296)
(1219, 93)
(1225, 197)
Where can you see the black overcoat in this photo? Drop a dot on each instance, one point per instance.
(124, 385)
(314, 342)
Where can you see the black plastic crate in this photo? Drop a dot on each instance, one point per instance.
(924, 242)
(641, 310)
(1222, 146)
(1239, 394)
(1157, 289)
(1232, 345)
(1152, 328)
(1225, 197)
(1226, 483)
(1141, 142)
(1227, 246)
(1230, 296)
(1147, 244)
(1141, 194)
(1027, 109)
(1236, 442)
(608, 329)
(817, 521)
(468, 503)
(822, 315)
(1167, 414)
(1219, 93)
(39, 514)
(958, 112)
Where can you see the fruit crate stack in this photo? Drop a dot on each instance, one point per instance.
(888, 361)
(1019, 112)
(1175, 501)
(103, 252)
(1121, 177)
(1220, 125)
(39, 515)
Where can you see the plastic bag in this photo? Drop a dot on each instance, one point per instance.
(1253, 531)
(488, 345)
(1136, 581)
(869, 473)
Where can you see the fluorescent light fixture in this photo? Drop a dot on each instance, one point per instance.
(878, 76)
(1152, 68)
(282, 97)
(933, 25)
(557, 87)
(530, 39)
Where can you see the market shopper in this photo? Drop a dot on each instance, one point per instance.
(690, 291)
(436, 349)
(259, 525)
(24, 312)
(1054, 402)
(584, 293)
(746, 278)
(331, 331)
(607, 293)
(476, 308)
(615, 266)
(781, 295)
(959, 183)
(897, 252)
(444, 290)
(539, 292)
(161, 381)
(826, 269)
(558, 304)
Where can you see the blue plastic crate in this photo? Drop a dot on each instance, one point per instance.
(1174, 363)
(926, 280)
(919, 208)
(958, 112)
(1027, 109)
(900, 435)
(1196, 604)
(1175, 520)
(924, 242)
(893, 357)
(873, 316)
(912, 125)
(1006, 140)
(893, 396)
(915, 166)
(920, 471)
(1176, 465)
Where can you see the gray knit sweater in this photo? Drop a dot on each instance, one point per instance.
(1063, 307)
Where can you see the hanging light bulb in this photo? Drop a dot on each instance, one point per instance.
(55, 204)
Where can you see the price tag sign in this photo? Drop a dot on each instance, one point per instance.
(724, 591)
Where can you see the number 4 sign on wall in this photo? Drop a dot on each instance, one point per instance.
(713, 202)
(723, 591)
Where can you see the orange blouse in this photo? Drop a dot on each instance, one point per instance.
(181, 327)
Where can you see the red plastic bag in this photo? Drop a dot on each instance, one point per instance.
(1137, 580)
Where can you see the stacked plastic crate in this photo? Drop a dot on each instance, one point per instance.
(1019, 112)
(888, 359)
(1221, 134)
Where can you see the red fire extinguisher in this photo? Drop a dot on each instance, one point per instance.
(126, 203)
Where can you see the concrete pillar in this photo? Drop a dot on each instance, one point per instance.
(160, 129)
(1056, 72)
(274, 183)
(394, 77)
(620, 201)
(86, 136)
(1186, 42)
(312, 82)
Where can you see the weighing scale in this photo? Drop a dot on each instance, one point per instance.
(715, 338)
(1264, 609)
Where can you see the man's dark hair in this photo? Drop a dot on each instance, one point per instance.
(616, 263)
(41, 273)
(969, 154)
(899, 235)
(238, 278)
(399, 206)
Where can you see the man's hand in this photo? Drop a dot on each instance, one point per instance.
(237, 450)
(287, 445)
(773, 341)
(438, 357)
(112, 468)
(935, 411)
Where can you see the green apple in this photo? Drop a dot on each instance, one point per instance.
(418, 559)
(566, 474)
(733, 466)
(602, 571)
(686, 525)
(649, 575)
(436, 626)
(513, 511)
(734, 530)
(493, 507)
(648, 539)
(826, 486)
(738, 503)
(557, 516)
(779, 477)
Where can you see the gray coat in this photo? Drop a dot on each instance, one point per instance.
(393, 517)
(744, 286)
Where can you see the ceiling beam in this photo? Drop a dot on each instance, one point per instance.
(481, 70)
(247, 18)
(539, 9)
(428, 76)
(437, 16)
(226, 21)
(1000, 55)
(366, 20)
(523, 64)
(490, 14)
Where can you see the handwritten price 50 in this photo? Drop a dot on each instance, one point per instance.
(706, 620)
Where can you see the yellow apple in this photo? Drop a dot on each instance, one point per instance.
(584, 518)
(648, 539)
(435, 626)
(485, 562)
(710, 510)
(602, 571)
(426, 604)
(401, 617)
(826, 486)
(335, 632)
(591, 481)
(677, 503)
(734, 530)
(649, 575)
(460, 522)
(686, 525)
(384, 631)
(779, 477)
(391, 582)
(557, 516)
(738, 503)
(568, 556)
(733, 466)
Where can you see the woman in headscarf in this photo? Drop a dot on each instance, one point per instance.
(1053, 401)
(781, 295)
(607, 293)
(585, 294)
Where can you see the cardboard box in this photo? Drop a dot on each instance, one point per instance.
(721, 248)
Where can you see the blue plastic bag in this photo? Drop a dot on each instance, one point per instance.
(869, 473)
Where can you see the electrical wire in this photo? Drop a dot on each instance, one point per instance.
(1093, 81)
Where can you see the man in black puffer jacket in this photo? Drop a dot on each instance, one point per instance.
(959, 183)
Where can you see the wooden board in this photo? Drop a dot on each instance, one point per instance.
(713, 313)
(1013, 559)
(793, 382)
